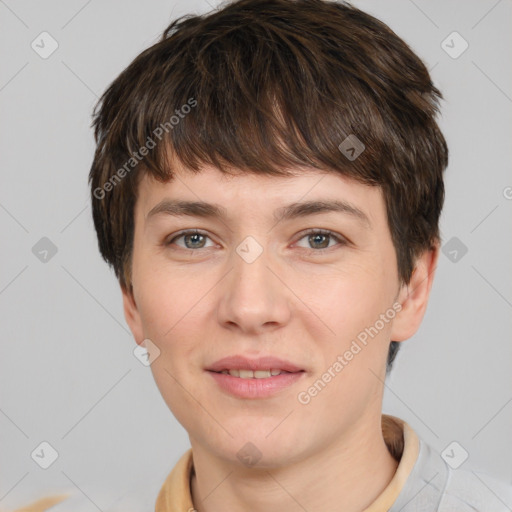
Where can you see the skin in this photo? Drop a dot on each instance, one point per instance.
(204, 302)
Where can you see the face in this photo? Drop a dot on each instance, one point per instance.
(314, 287)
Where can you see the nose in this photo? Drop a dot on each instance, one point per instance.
(254, 297)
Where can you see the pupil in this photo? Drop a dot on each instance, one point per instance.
(313, 237)
(195, 236)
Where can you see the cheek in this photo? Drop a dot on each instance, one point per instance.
(347, 301)
(171, 310)
(351, 306)
(176, 314)
(354, 350)
(168, 298)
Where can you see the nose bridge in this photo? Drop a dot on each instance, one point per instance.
(252, 295)
(251, 274)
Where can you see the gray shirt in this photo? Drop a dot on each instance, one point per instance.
(433, 486)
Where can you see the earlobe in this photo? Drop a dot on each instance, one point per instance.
(414, 296)
(131, 314)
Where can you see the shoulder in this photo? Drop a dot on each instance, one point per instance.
(68, 500)
(139, 498)
(434, 486)
(470, 490)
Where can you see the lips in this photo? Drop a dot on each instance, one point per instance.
(261, 364)
(244, 378)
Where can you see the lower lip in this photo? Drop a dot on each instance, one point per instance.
(255, 388)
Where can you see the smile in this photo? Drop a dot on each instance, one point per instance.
(250, 374)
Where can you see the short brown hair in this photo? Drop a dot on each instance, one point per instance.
(270, 85)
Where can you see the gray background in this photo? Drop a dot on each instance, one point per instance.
(68, 375)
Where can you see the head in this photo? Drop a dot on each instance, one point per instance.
(250, 108)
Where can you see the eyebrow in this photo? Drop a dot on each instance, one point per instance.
(179, 208)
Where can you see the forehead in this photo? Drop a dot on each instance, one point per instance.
(249, 193)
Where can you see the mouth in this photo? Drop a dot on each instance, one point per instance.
(247, 378)
(247, 368)
(258, 384)
(254, 374)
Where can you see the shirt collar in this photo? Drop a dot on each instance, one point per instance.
(400, 438)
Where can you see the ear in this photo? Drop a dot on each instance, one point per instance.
(131, 314)
(414, 296)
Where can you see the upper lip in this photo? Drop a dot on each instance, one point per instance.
(239, 362)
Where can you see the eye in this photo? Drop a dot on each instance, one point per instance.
(193, 239)
(319, 240)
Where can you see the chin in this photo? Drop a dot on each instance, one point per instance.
(256, 448)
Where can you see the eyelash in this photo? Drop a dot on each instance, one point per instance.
(341, 241)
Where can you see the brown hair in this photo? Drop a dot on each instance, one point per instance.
(264, 86)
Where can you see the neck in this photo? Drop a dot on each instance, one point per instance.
(345, 475)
